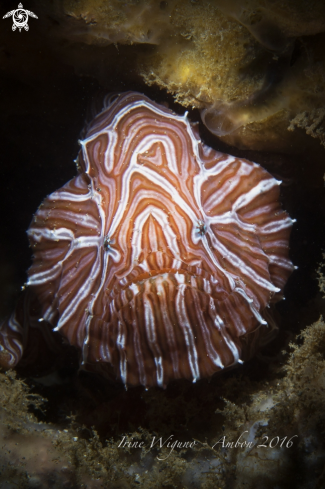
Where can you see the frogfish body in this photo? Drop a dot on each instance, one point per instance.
(160, 258)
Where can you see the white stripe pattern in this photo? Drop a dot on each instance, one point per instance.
(161, 256)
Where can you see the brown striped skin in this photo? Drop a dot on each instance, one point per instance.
(161, 256)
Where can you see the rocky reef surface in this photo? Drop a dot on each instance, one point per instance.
(238, 430)
(255, 72)
(250, 67)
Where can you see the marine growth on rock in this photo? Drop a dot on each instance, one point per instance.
(160, 258)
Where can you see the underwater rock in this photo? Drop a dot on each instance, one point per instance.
(244, 66)
(30, 451)
(160, 258)
(287, 416)
(255, 433)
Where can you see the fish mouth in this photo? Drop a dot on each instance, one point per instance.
(186, 276)
(167, 324)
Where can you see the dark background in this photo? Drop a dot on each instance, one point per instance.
(44, 105)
